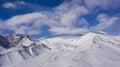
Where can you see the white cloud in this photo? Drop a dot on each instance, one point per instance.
(26, 24)
(14, 5)
(25, 19)
(115, 28)
(105, 22)
(102, 4)
(9, 5)
(81, 23)
(70, 12)
(2, 24)
(67, 30)
(69, 17)
(22, 2)
(27, 30)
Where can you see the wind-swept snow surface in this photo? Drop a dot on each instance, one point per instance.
(89, 50)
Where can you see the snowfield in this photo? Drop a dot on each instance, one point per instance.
(89, 50)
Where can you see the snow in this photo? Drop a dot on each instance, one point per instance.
(26, 42)
(89, 50)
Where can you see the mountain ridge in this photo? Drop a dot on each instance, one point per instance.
(88, 50)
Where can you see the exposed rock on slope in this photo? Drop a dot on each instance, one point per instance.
(17, 48)
(4, 42)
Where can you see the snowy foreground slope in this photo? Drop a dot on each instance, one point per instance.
(89, 50)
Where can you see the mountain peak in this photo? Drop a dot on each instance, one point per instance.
(14, 39)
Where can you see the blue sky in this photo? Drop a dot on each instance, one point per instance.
(45, 18)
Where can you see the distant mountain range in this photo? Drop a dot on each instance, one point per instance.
(87, 50)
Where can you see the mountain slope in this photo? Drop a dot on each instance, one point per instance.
(89, 50)
(93, 50)
(4, 43)
(22, 48)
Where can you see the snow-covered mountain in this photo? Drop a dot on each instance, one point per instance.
(89, 50)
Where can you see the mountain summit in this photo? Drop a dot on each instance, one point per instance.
(89, 50)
